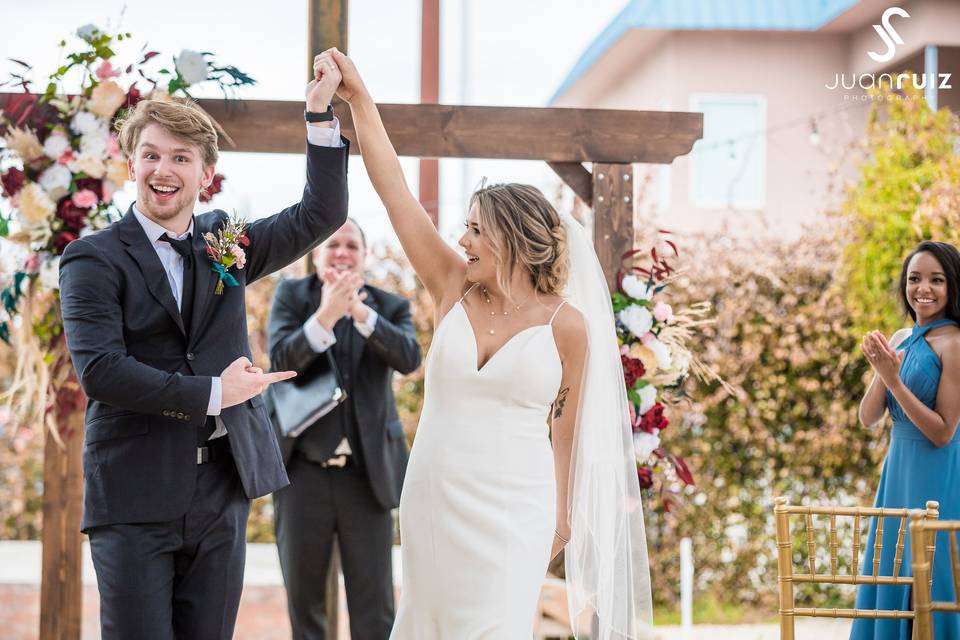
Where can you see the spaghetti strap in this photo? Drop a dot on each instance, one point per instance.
(556, 311)
(467, 292)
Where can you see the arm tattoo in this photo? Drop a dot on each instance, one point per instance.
(559, 402)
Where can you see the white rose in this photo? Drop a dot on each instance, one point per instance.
(50, 273)
(55, 180)
(191, 66)
(94, 142)
(84, 122)
(55, 144)
(636, 319)
(86, 31)
(648, 398)
(636, 288)
(644, 444)
(664, 361)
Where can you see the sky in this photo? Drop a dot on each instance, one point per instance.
(492, 52)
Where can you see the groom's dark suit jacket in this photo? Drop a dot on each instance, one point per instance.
(367, 372)
(148, 382)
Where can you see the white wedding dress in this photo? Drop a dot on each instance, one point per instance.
(478, 507)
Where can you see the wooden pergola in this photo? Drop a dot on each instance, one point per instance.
(610, 140)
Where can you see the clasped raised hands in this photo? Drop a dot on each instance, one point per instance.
(884, 359)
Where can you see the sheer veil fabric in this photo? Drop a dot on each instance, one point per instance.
(607, 568)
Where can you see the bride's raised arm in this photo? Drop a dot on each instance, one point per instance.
(440, 268)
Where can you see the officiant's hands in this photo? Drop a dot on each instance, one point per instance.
(326, 79)
(341, 296)
(241, 381)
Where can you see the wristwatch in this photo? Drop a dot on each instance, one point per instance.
(323, 116)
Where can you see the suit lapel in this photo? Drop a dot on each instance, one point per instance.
(140, 248)
(359, 344)
(204, 279)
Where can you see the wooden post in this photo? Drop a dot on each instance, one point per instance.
(61, 586)
(327, 22)
(612, 215)
(429, 192)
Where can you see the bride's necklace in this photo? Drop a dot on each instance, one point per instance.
(494, 314)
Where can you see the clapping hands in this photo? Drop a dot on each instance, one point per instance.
(341, 296)
(884, 359)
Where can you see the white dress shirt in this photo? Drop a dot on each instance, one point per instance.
(173, 262)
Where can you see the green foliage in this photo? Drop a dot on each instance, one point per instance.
(910, 168)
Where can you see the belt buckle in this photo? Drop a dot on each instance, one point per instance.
(336, 461)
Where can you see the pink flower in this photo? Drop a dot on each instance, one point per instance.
(663, 312)
(624, 349)
(85, 199)
(66, 157)
(238, 253)
(113, 146)
(647, 338)
(32, 263)
(106, 70)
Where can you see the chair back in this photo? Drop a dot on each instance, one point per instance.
(788, 578)
(924, 534)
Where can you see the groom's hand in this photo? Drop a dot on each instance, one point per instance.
(241, 381)
(326, 79)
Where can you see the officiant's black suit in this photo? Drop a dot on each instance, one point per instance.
(167, 533)
(352, 502)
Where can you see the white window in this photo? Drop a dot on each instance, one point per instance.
(728, 167)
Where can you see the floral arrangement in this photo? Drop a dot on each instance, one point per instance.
(225, 249)
(60, 164)
(656, 362)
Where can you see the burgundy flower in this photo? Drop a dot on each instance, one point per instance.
(133, 97)
(12, 181)
(215, 187)
(633, 370)
(654, 420)
(93, 184)
(74, 217)
(61, 240)
(645, 475)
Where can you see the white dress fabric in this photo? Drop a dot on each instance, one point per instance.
(478, 507)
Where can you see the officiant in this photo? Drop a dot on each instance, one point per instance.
(345, 339)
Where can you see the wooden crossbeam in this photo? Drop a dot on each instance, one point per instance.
(450, 131)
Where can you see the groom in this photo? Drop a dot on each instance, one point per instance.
(177, 439)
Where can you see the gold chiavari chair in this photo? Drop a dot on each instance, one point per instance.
(925, 531)
(787, 578)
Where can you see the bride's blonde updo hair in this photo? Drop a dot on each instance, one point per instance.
(525, 231)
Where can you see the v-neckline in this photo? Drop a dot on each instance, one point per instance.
(478, 368)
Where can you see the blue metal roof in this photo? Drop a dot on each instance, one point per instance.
(746, 15)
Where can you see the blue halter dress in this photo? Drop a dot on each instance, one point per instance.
(915, 471)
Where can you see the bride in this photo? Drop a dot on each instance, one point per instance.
(524, 336)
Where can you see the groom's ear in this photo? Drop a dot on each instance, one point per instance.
(206, 178)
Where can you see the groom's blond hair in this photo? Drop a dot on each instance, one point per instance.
(525, 231)
(181, 117)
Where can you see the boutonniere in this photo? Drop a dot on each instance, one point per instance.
(226, 251)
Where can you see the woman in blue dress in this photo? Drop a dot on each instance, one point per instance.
(917, 378)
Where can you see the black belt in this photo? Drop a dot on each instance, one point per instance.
(216, 449)
(335, 462)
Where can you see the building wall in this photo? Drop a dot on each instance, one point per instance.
(789, 70)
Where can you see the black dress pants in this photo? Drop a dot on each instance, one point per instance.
(180, 579)
(320, 503)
